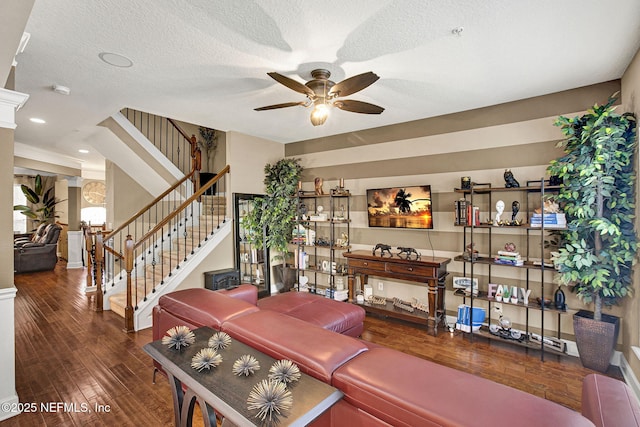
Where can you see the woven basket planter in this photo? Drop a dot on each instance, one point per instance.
(595, 340)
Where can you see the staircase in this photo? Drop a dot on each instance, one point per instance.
(179, 253)
(155, 250)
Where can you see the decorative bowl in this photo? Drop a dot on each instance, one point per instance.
(547, 301)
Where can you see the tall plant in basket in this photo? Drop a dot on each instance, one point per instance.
(598, 196)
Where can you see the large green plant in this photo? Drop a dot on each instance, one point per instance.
(598, 196)
(44, 203)
(276, 211)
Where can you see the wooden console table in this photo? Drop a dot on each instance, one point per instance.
(429, 270)
(225, 393)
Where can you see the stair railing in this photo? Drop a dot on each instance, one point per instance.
(166, 136)
(141, 222)
(155, 255)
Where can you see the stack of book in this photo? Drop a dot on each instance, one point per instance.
(551, 220)
(299, 235)
(338, 295)
(509, 258)
(465, 214)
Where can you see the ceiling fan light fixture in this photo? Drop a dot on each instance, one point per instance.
(319, 114)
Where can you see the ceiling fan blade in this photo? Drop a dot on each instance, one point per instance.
(284, 105)
(358, 106)
(354, 84)
(291, 84)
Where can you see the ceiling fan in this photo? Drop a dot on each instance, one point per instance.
(323, 93)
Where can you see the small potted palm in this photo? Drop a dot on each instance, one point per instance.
(599, 246)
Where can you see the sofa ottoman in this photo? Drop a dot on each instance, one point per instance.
(404, 390)
(341, 317)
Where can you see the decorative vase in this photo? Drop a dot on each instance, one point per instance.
(595, 340)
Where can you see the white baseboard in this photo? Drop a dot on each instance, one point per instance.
(11, 402)
(629, 376)
(73, 265)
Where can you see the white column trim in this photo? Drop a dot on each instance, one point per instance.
(10, 102)
(8, 394)
(74, 248)
(74, 181)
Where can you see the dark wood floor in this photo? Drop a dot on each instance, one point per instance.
(68, 353)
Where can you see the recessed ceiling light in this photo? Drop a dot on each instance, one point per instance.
(37, 120)
(83, 151)
(115, 59)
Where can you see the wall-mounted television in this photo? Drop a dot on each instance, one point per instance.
(400, 207)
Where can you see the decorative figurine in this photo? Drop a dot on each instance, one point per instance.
(465, 183)
(510, 247)
(471, 254)
(407, 252)
(318, 184)
(509, 180)
(499, 210)
(559, 299)
(383, 248)
(550, 206)
(515, 208)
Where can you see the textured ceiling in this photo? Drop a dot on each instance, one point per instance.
(205, 61)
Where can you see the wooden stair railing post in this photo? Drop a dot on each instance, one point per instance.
(99, 265)
(196, 163)
(128, 262)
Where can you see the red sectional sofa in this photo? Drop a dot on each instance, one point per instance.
(381, 386)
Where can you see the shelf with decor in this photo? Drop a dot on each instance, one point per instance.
(526, 343)
(320, 237)
(480, 237)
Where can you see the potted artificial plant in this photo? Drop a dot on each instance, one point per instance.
(599, 246)
(272, 220)
(43, 202)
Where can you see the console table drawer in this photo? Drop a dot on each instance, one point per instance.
(369, 265)
(412, 270)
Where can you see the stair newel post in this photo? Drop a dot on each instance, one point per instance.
(129, 257)
(99, 267)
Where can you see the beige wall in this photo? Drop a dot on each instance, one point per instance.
(6, 217)
(630, 330)
(437, 151)
(125, 196)
(62, 194)
(247, 156)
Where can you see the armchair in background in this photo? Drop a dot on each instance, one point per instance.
(38, 253)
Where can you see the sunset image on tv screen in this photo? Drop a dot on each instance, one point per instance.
(400, 207)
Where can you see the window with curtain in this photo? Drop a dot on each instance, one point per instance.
(19, 220)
